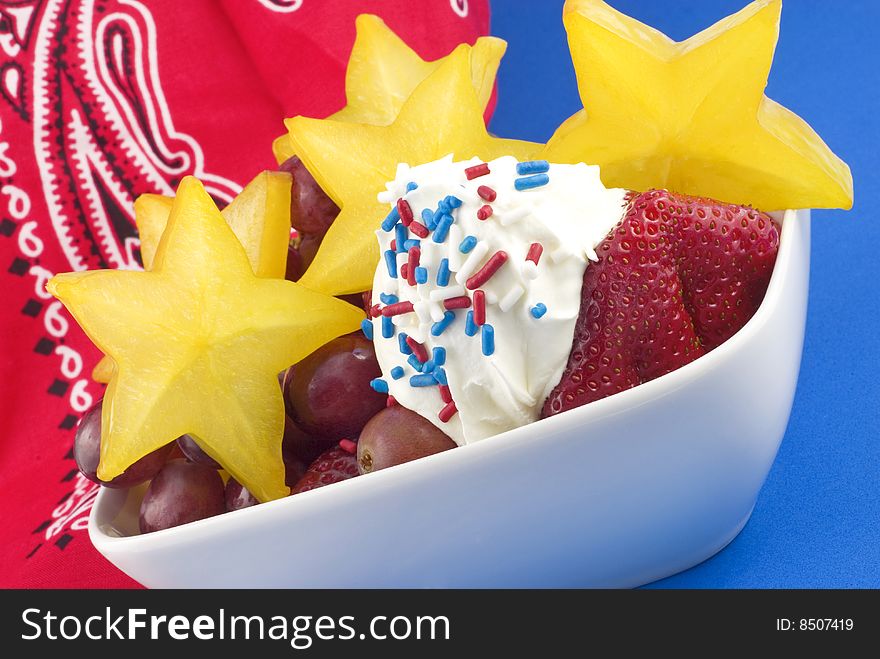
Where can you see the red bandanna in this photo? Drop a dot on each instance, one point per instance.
(103, 100)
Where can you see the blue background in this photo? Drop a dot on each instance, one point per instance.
(817, 519)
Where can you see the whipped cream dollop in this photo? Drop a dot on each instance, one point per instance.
(479, 286)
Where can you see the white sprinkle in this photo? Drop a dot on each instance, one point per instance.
(418, 333)
(436, 310)
(422, 311)
(511, 297)
(384, 197)
(444, 292)
(512, 217)
(470, 266)
(529, 270)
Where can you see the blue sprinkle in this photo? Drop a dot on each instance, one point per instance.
(388, 299)
(528, 182)
(421, 275)
(409, 244)
(442, 228)
(428, 219)
(424, 380)
(443, 273)
(438, 328)
(488, 337)
(438, 355)
(391, 263)
(412, 185)
(404, 346)
(470, 327)
(391, 219)
(539, 310)
(429, 366)
(467, 244)
(440, 376)
(532, 167)
(387, 327)
(442, 207)
(451, 201)
(378, 384)
(397, 372)
(415, 363)
(367, 328)
(400, 237)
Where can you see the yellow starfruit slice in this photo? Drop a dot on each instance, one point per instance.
(259, 217)
(692, 116)
(383, 71)
(353, 162)
(198, 343)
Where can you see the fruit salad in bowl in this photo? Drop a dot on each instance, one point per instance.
(419, 354)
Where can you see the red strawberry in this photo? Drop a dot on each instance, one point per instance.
(677, 277)
(332, 466)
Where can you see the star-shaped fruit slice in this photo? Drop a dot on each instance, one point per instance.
(691, 116)
(383, 71)
(259, 217)
(198, 343)
(353, 162)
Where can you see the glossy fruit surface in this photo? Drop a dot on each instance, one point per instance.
(87, 454)
(383, 71)
(351, 162)
(676, 278)
(194, 453)
(328, 393)
(397, 435)
(198, 343)
(691, 116)
(181, 492)
(332, 466)
(237, 496)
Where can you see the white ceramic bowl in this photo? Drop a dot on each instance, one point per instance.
(619, 492)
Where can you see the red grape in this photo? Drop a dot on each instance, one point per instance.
(299, 449)
(397, 435)
(295, 267)
(311, 211)
(181, 492)
(328, 393)
(194, 452)
(87, 454)
(238, 496)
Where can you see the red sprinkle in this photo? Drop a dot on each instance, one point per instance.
(375, 311)
(486, 193)
(419, 229)
(404, 271)
(393, 245)
(460, 302)
(485, 212)
(348, 446)
(535, 251)
(485, 273)
(418, 349)
(448, 411)
(476, 171)
(397, 309)
(413, 262)
(391, 402)
(479, 308)
(405, 211)
(445, 394)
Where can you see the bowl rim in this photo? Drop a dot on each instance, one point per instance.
(508, 440)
